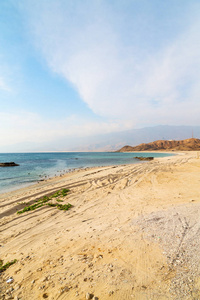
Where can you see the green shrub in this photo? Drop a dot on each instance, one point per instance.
(7, 265)
(64, 206)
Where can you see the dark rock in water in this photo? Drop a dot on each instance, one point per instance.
(8, 164)
(144, 158)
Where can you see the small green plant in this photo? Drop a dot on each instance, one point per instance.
(60, 206)
(64, 192)
(64, 206)
(45, 201)
(7, 265)
(51, 204)
(31, 207)
(56, 194)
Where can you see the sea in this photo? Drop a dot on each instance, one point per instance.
(34, 167)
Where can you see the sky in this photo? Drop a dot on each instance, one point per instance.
(71, 69)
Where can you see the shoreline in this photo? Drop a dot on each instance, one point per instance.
(70, 170)
(132, 233)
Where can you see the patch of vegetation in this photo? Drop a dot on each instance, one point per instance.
(58, 200)
(45, 201)
(51, 204)
(56, 194)
(60, 206)
(7, 265)
(64, 192)
(31, 207)
(64, 206)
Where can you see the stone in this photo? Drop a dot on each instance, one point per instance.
(41, 287)
(98, 256)
(88, 296)
(44, 279)
(111, 293)
(110, 266)
(144, 158)
(9, 290)
(8, 164)
(10, 280)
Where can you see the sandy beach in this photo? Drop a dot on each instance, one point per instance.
(133, 232)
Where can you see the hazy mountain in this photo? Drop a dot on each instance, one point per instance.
(111, 141)
(134, 137)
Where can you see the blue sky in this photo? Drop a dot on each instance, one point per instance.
(71, 69)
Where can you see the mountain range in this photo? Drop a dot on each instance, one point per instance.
(134, 137)
(108, 142)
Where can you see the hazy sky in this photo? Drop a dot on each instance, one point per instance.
(74, 68)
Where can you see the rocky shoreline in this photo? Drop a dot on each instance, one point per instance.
(8, 164)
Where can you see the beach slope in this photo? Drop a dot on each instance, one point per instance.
(133, 232)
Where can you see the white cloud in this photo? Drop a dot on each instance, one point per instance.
(81, 42)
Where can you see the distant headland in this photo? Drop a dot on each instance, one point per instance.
(191, 144)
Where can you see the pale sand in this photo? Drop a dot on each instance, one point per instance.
(133, 233)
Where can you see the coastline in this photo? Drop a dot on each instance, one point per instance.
(27, 176)
(126, 236)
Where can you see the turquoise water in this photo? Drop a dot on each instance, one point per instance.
(35, 166)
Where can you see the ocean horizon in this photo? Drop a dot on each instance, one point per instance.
(37, 166)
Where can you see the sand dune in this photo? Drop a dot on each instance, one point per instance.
(133, 233)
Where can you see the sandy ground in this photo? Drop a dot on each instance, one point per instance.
(133, 233)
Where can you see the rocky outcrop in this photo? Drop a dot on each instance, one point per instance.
(144, 158)
(8, 164)
(182, 145)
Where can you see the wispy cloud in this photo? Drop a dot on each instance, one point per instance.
(130, 79)
(23, 126)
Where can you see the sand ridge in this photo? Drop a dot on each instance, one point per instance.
(132, 233)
